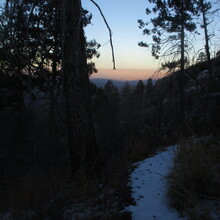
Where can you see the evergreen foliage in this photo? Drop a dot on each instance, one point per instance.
(165, 28)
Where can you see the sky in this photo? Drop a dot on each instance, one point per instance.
(132, 62)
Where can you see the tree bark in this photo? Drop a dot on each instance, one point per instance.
(207, 43)
(182, 67)
(81, 135)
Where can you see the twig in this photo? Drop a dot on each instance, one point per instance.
(110, 32)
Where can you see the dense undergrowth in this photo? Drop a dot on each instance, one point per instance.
(195, 177)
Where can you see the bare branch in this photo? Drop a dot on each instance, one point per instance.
(110, 32)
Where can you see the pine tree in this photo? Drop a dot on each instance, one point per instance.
(139, 95)
(173, 19)
(149, 87)
(204, 7)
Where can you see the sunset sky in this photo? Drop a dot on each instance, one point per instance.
(132, 61)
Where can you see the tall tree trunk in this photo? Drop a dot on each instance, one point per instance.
(206, 42)
(52, 91)
(82, 143)
(53, 77)
(182, 66)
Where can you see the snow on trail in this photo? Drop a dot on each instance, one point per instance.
(148, 182)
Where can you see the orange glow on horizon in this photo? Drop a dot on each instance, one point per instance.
(125, 74)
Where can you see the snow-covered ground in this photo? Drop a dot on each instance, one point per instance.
(148, 182)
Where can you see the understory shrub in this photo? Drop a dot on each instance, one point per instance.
(195, 175)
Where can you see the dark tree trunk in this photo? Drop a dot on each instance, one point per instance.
(206, 42)
(52, 93)
(182, 69)
(82, 143)
(182, 66)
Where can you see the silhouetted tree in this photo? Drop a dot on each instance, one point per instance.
(112, 105)
(174, 18)
(126, 95)
(139, 94)
(204, 7)
(149, 91)
(127, 108)
(81, 136)
(149, 87)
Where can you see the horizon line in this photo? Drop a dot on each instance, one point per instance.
(126, 74)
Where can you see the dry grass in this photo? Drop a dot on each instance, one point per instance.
(196, 173)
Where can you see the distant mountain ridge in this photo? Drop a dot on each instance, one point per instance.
(99, 82)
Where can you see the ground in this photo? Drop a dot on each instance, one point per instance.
(148, 182)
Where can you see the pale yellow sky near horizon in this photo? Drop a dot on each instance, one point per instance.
(132, 61)
(125, 74)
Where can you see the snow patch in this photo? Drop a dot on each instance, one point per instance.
(148, 182)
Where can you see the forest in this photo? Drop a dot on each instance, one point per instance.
(68, 145)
